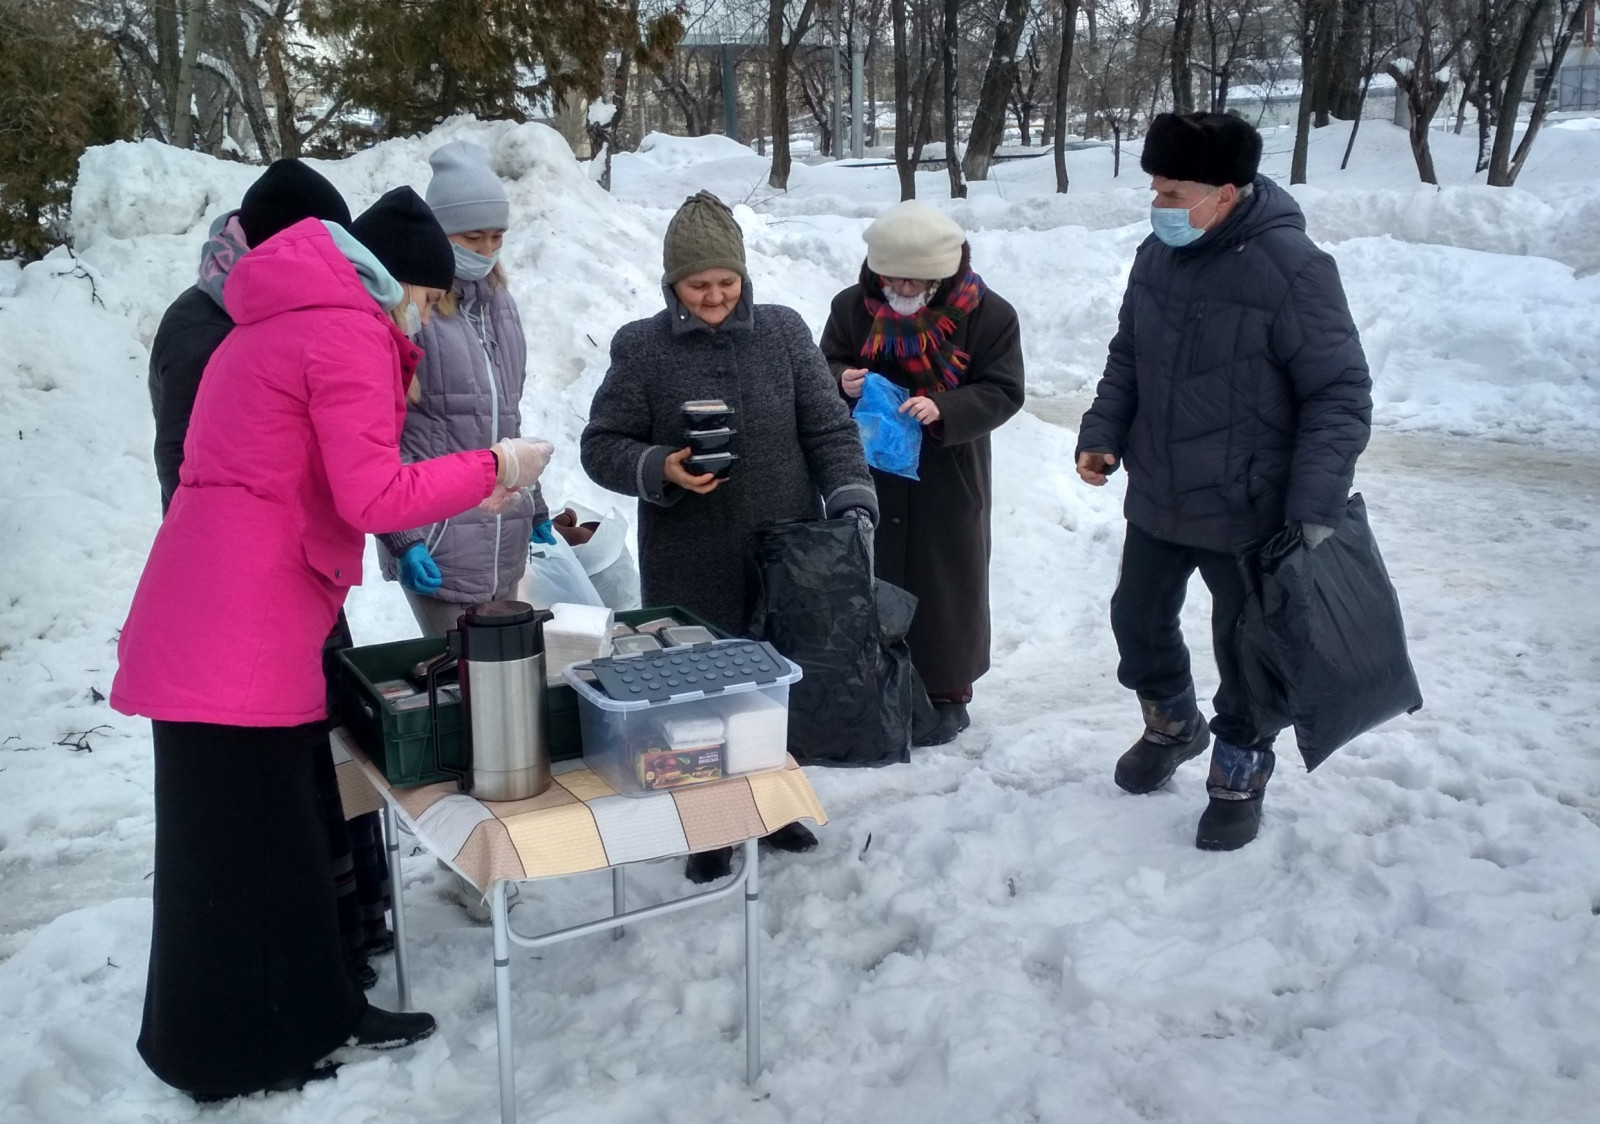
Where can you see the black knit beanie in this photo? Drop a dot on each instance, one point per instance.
(1208, 148)
(285, 193)
(402, 233)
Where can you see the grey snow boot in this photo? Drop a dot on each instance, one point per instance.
(1236, 784)
(1174, 733)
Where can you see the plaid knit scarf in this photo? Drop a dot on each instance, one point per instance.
(920, 343)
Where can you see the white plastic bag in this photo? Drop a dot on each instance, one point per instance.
(554, 574)
(606, 559)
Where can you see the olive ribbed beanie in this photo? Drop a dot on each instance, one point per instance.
(702, 235)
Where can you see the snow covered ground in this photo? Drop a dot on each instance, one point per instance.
(1412, 939)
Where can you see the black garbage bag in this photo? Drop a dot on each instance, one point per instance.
(814, 597)
(1322, 644)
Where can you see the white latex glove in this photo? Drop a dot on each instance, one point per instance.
(500, 500)
(521, 461)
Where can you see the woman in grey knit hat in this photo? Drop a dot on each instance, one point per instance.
(799, 453)
(469, 395)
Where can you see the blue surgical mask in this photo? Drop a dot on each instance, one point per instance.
(1172, 225)
(471, 265)
(411, 319)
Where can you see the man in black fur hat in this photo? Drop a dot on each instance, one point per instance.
(1237, 394)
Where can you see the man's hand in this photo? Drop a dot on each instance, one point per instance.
(852, 379)
(673, 470)
(1093, 468)
(924, 409)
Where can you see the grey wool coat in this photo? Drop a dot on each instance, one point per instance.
(1235, 390)
(934, 538)
(473, 369)
(800, 452)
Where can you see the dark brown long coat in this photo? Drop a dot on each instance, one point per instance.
(933, 533)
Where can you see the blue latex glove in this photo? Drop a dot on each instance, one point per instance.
(418, 571)
(543, 533)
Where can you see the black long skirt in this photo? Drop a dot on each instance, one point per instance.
(248, 982)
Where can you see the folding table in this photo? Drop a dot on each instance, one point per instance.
(579, 824)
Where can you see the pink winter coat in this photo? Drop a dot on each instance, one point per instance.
(293, 455)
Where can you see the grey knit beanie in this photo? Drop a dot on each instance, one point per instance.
(702, 235)
(464, 192)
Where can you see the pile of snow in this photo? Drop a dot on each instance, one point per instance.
(667, 151)
(1413, 937)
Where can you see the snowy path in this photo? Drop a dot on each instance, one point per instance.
(1412, 938)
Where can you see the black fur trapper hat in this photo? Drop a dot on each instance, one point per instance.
(1209, 148)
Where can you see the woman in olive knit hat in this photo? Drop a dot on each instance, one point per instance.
(799, 454)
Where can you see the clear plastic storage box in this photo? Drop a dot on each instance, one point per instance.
(702, 714)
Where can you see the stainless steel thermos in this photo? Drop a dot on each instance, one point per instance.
(499, 647)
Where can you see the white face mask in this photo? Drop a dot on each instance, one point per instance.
(411, 319)
(906, 306)
(471, 265)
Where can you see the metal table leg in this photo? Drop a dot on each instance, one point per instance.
(752, 963)
(502, 1002)
(391, 842)
(619, 899)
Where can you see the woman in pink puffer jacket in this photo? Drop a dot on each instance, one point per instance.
(292, 457)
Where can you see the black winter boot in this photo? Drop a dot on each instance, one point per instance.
(953, 719)
(390, 1030)
(708, 866)
(1236, 784)
(1174, 733)
(795, 837)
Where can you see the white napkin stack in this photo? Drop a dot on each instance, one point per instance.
(757, 731)
(578, 633)
(694, 732)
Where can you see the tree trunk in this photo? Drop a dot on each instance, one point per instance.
(237, 52)
(1366, 83)
(183, 97)
(903, 163)
(1422, 92)
(778, 95)
(1302, 138)
(1069, 33)
(1328, 14)
(1541, 101)
(952, 165)
(1182, 40)
(989, 119)
(1347, 82)
(1534, 24)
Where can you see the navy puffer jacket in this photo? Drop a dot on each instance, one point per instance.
(1235, 390)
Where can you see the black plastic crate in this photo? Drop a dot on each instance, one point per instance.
(399, 740)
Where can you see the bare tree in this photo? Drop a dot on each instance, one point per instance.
(780, 57)
(1068, 37)
(1505, 167)
(1432, 33)
(915, 37)
(949, 38)
(999, 77)
(1182, 44)
(1033, 63)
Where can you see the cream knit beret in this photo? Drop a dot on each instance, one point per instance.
(914, 240)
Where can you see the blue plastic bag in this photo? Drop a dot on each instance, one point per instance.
(892, 440)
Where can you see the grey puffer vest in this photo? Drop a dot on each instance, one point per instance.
(472, 374)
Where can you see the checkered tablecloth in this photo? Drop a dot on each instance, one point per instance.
(580, 822)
